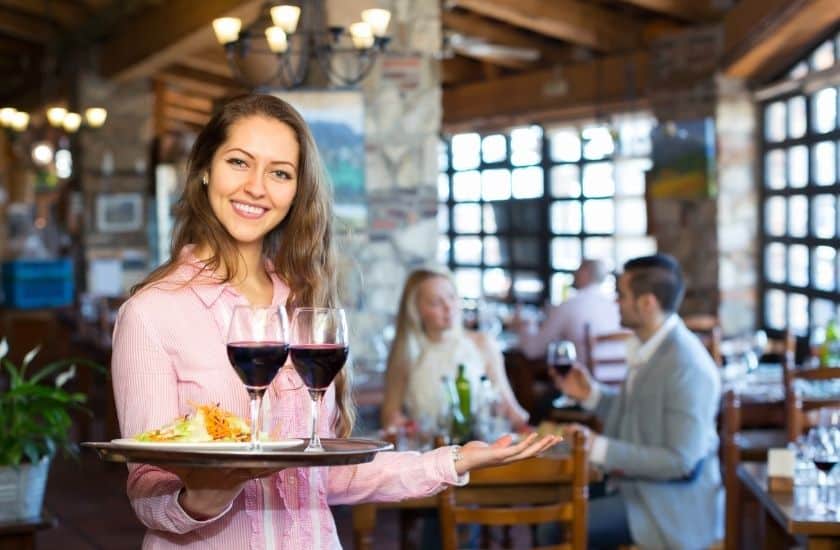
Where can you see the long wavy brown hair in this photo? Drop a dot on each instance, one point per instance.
(300, 247)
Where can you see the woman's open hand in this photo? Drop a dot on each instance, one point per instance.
(208, 491)
(478, 454)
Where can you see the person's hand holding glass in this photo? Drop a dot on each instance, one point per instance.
(257, 347)
(319, 349)
(561, 356)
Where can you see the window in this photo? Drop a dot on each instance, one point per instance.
(518, 210)
(798, 212)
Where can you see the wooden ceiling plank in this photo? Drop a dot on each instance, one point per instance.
(67, 14)
(185, 115)
(460, 69)
(211, 66)
(195, 86)
(569, 20)
(170, 30)
(687, 10)
(762, 37)
(492, 32)
(25, 27)
(576, 85)
(187, 101)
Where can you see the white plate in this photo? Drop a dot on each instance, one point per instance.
(206, 446)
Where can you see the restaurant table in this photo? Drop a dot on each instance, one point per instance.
(785, 515)
(20, 535)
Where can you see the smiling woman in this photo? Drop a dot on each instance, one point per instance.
(253, 227)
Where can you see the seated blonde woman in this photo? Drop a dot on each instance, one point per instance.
(430, 342)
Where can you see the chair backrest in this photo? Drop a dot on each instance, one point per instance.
(532, 491)
(731, 458)
(707, 329)
(801, 412)
(606, 358)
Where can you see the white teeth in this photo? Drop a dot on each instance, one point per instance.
(247, 208)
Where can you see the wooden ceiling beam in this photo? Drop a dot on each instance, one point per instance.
(198, 83)
(618, 78)
(692, 11)
(67, 14)
(211, 61)
(187, 101)
(491, 32)
(185, 115)
(763, 37)
(25, 27)
(169, 30)
(570, 20)
(460, 69)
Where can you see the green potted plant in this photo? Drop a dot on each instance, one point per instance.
(35, 424)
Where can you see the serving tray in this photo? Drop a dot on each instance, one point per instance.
(337, 452)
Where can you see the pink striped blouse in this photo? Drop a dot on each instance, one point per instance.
(169, 351)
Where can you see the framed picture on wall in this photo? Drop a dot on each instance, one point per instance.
(119, 212)
(337, 121)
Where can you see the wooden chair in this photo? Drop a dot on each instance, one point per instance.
(802, 413)
(606, 359)
(742, 443)
(707, 328)
(533, 491)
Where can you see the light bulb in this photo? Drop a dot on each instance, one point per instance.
(227, 29)
(362, 35)
(7, 115)
(42, 153)
(20, 121)
(286, 17)
(95, 116)
(56, 115)
(276, 39)
(378, 20)
(71, 122)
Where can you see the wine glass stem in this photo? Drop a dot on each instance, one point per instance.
(314, 440)
(256, 424)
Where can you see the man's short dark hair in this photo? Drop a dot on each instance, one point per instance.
(660, 275)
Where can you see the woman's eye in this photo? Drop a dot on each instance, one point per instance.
(236, 162)
(282, 175)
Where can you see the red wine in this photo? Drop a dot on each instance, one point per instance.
(318, 364)
(257, 363)
(562, 366)
(825, 465)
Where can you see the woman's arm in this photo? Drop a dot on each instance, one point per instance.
(146, 396)
(495, 368)
(396, 380)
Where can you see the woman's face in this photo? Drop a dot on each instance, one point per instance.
(437, 304)
(253, 177)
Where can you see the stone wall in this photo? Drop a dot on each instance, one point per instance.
(402, 122)
(116, 160)
(737, 223)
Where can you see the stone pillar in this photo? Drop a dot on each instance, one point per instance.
(403, 115)
(737, 222)
(116, 159)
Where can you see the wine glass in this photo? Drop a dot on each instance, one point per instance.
(561, 356)
(824, 455)
(257, 346)
(319, 349)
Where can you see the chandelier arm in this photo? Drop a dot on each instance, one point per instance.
(366, 60)
(230, 54)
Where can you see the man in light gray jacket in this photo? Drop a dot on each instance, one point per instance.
(659, 444)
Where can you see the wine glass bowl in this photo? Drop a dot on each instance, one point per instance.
(319, 349)
(560, 356)
(257, 347)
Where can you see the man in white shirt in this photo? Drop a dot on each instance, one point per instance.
(566, 321)
(659, 443)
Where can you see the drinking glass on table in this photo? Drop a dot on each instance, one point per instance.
(257, 346)
(561, 356)
(319, 349)
(825, 455)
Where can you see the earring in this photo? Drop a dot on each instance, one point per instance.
(204, 180)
